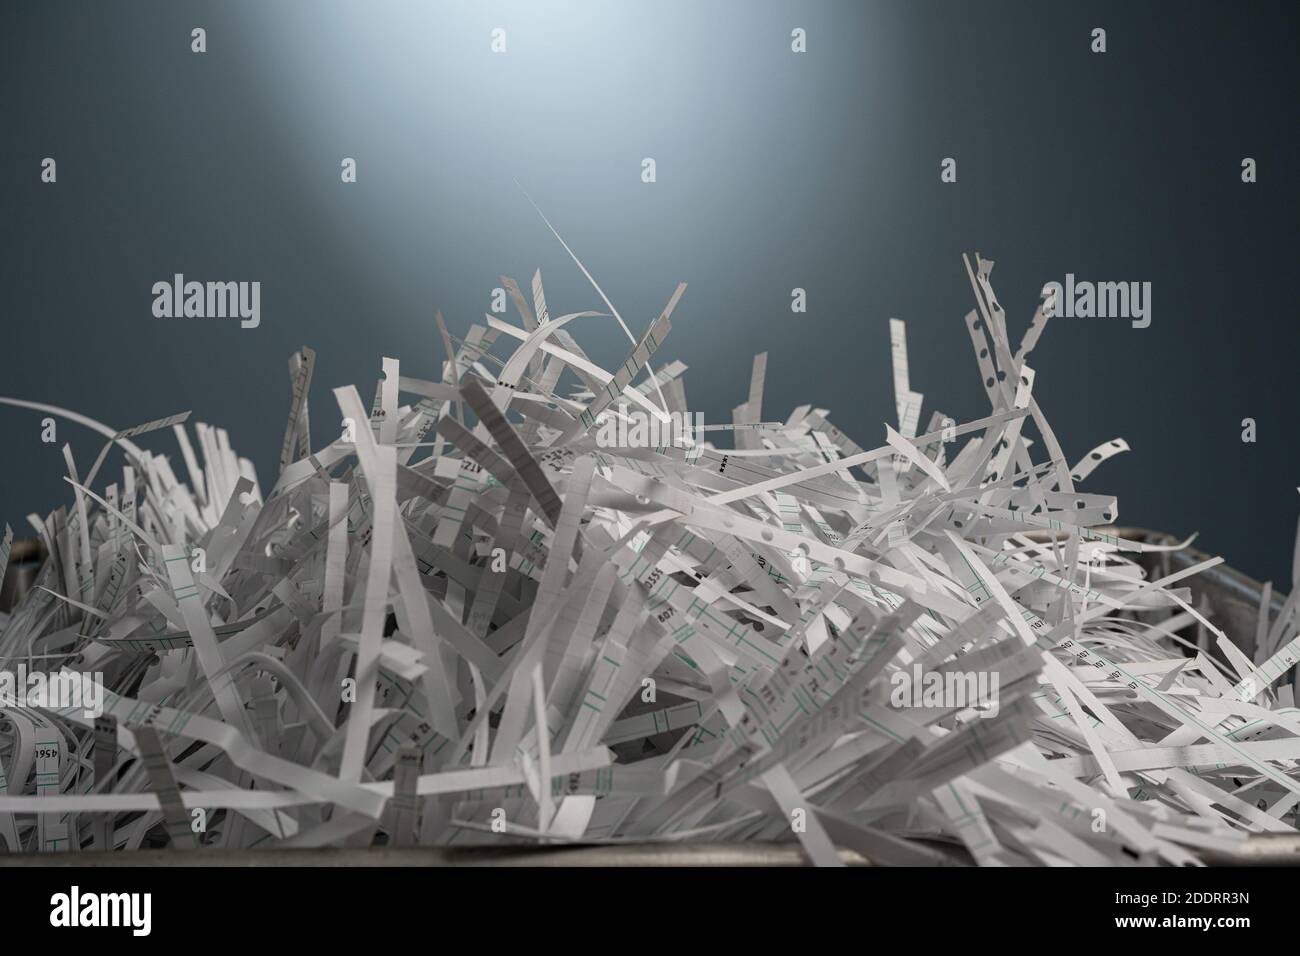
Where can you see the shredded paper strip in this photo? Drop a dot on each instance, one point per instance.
(466, 618)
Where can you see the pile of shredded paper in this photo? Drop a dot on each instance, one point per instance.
(465, 617)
